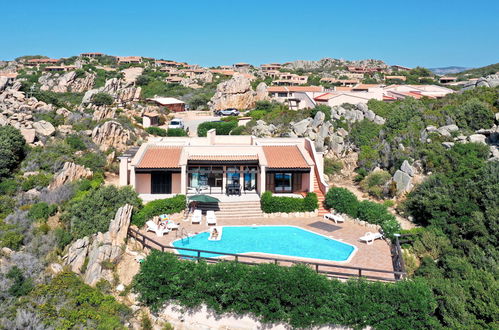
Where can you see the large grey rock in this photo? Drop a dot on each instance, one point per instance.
(318, 119)
(111, 134)
(43, 128)
(379, 120)
(362, 107)
(29, 134)
(477, 138)
(101, 251)
(403, 182)
(77, 254)
(69, 173)
(447, 130)
(237, 93)
(119, 225)
(407, 168)
(261, 129)
(301, 127)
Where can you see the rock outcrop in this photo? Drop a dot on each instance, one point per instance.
(43, 128)
(103, 113)
(489, 81)
(111, 134)
(122, 91)
(100, 250)
(403, 178)
(237, 93)
(66, 82)
(69, 173)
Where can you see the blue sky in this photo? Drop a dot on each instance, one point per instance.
(427, 33)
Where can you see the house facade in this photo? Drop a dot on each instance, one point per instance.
(217, 164)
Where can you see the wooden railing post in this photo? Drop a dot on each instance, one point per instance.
(199, 255)
(360, 272)
(316, 268)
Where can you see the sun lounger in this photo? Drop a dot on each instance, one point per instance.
(335, 217)
(211, 219)
(172, 225)
(151, 226)
(197, 216)
(370, 237)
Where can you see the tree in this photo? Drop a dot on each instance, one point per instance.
(11, 149)
(101, 99)
(474, 114)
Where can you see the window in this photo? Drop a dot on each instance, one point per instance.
(282, 94)
(233, 176)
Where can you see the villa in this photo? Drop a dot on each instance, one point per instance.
(129, 59)
(235, 165)
(92, 55)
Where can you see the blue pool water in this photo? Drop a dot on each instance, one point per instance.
(282, 240)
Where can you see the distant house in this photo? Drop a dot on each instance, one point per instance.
(337, 98)
(363, 69)
(38, 61)
(150, 119)
(290, 79)
(295, 97)
(92, 55)
(170, 103)
(129, 59)
(173, 79)
(167, 64)
(61, 68)
(192, 73)
(242, 65)
(399, 68)
(341, 82)
(401, 78)
(416, 91)
(223, 72)
(366, 87)
(270, 67)
(447, 80)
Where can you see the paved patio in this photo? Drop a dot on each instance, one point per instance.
(374, 256)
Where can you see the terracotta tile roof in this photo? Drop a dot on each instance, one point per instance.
(295, 89)
(284, 157)
(160, 157)
(343, 88)
(223, 157)
(366, 86)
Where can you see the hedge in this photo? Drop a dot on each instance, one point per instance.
(153, 130)
(273, 204)
(344, 201)
(160, 206)
(296, 295)
(221, 127)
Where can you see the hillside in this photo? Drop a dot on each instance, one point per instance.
(480, 72)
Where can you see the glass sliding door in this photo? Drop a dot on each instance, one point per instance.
(250, 179)
(283, 182)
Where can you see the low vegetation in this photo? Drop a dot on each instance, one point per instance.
(221, 127)
(294, 295)
(274, 204)
(160, 206)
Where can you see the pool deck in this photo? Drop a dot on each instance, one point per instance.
(374, 256)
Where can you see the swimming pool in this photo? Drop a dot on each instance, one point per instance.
(287, 241)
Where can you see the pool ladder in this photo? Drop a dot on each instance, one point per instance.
(183, 234)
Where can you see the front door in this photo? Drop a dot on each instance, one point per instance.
(161, 183)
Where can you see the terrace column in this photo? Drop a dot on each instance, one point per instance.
(123, 171)
(183, 179)
(263, 177)
(312, 176)
(132, 177)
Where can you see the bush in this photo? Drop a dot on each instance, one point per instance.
(92, 160)
(176, 132)
(342, 200)
(92, 212)
(21, 285)
(274, 204)
(374, 183)
(161, 206)
(239, 130)
(36, 181)
(332, 166)
(154, 130)
(63, 237)
(76, 142)
(295, 295)
(11, 149)
(42, 211)
(101, 99)
(8, 186)
(322, 108)
(67, 303)
(221, 127)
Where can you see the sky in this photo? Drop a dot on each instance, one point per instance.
(432, 33)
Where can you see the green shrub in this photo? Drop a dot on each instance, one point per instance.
(21, 285)
(176, 132)
(239, 130)
(374, 183)
(38, 181)
(10, 237)
(322, 108)
(12, 145)
(332, 166)
(76, 142)
(42, 211)
(68, 303)
(101, 99)
(295, 295)
(154, 130)
(7, 205)
(221, 127)
(63, 237)
(161, 206)
(342, 200)
(93, 211)
(9, 186)
(274, 204)
(92, 160)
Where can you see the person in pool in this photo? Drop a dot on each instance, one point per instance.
(214, 233)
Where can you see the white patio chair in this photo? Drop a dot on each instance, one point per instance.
(335, 217)
(197, 216)
(370, 237)
(211, 219)
(172, 225)
(151, 226)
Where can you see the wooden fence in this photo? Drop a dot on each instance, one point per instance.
(330, 270)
